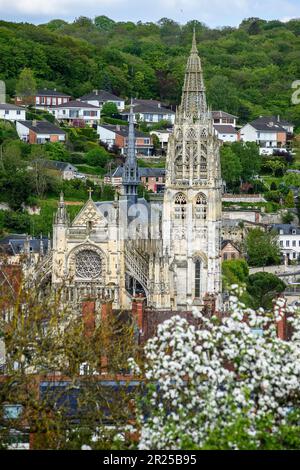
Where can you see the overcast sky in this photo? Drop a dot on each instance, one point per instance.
(212, 12)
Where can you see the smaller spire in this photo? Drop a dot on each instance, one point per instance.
(61, 216)
(41, 245)
(194, 49)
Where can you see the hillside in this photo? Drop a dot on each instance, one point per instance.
(249, 70)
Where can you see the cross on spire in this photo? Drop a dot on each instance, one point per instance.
(90, 191)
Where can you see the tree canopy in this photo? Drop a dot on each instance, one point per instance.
(248, 70)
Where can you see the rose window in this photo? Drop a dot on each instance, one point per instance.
(88, 264)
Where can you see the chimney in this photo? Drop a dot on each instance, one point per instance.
(138, 313)
(159, 105)
(54, 89)
(118, 128)
(34, 123)
(88, 316)
(96, 92)
(278, 118)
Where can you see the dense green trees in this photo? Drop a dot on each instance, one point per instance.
(240, 161)
(264, 287)
(248, 70)
(262, 248)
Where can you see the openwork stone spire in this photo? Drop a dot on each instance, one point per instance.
(61, 216)
(193, 101)
(130, 173)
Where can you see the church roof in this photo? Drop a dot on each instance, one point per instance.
(148, 172)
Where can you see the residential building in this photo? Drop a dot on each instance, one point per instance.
(229, 251)
(65, 170)
(163, 137)
(100, 97)
(223, 118)
(11, 112)
(226, 132)
(77, 113)
(267, 132)
(39, 132)
(116, 135)
(45, 98)
(289, 240)
(152, 178)
(150, 111)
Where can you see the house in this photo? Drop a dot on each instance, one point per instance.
(77, 113)
(267, 132)
(226, 132)
(118, 135)
(152, 178)
(64, 169)
(100, 97)
(229, 251)
(11, 112)
(289, 240)
(39, 132)
(45, 98)
(150, 111)
(224, 119)
(163, 137)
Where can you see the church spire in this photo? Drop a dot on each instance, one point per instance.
(193, 101)
(61, 216)
(130, 178)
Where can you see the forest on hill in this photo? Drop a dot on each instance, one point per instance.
(248, 70)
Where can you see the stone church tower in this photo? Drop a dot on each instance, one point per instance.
(192, 200)
(167, 251)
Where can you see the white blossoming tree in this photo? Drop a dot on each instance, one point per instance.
(228, 383)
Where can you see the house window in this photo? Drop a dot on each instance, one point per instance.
(146, 141)
(197, 278)
(281, 243)
(294, 243)
(180, 206)
(287, 243)
(225, 256)
(18, 112)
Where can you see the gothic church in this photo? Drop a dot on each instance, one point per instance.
(166, 250)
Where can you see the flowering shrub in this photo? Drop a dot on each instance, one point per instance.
(229, 383)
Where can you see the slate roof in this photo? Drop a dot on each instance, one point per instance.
(13, 244)
(56, 165)
(43, 127)
(286, 228)
(11, 106)
(226, 242)
(46, 92)
(123, 131)
(148, 106)
(100, 95)
(267, 124)
(222, 114)
(76, 104)
(225, 129)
